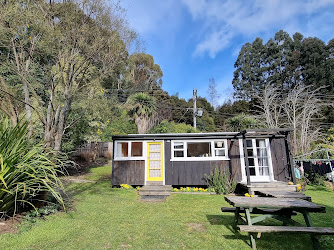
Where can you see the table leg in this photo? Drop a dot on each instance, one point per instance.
(249, 222)
(308, 222)
(236, 217)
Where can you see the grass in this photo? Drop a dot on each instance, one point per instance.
(111, 218)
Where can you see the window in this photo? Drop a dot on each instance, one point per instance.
(178, 149)
(220, 148)
(199, 150)
(136, 149)
(122, 149)
(129, 150)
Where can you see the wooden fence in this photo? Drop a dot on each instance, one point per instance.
(100, 148)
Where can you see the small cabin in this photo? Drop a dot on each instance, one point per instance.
(184, 159)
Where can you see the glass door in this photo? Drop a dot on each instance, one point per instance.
(260, 167)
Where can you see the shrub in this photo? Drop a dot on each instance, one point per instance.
(316, 179)
(27, 171)
(221, 181)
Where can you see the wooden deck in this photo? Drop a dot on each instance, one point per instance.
(255, 187)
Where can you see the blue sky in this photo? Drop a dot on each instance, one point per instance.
(194, 40)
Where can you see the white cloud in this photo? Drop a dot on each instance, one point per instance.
(225, 20)
(147, 16)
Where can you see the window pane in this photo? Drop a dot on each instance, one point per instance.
(219, 144)
(252, 171)
(199, 149)
(262, 152)
(178, 154)
(178, 145)
(249, 143)
(136, 149)
(220, 152)
(264, 171)
(263, 161)
(251, 161)
(260, 143)
(250, 152)
(122, 149)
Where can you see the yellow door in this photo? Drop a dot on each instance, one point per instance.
(154, 161)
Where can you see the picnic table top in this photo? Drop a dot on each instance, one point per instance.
(267, 202)
(285, 194)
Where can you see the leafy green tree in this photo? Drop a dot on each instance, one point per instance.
(143, 73)
(61, 52)
(314, 55)
(242, 122)
(171, 127)
(143, 107)
(228, 110)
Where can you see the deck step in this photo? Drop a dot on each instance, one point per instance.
(269, 186)
(149, 192)
(155, 192)
(286, 229)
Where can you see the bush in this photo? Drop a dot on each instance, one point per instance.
(221, 181)
(316, 179)
(171, 127)
(28, 171)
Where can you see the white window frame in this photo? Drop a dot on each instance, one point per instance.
(213, 156)
(129, 157)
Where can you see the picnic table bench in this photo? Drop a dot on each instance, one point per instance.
(285, 194)
(282, 210)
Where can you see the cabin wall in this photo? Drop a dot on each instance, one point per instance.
(128, 172)
(279, 159)
(191, 173)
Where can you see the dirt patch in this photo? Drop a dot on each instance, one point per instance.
(82, 167)
(10, 225)
(198, 227)
(76, 179)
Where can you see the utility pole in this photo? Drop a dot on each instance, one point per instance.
(194, 109)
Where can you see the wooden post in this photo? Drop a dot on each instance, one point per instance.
(246, 158)
(290, 158)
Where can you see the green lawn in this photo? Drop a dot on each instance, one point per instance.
(105, 217)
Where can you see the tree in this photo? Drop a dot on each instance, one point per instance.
(229, 109)
(143, 73)
(302, 108)
(171, 127)
(249, 76)
(241, 122)
(61, 53)
(213, 94)
(270, 106)
(143, 108)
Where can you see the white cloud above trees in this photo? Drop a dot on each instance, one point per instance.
(225, 20)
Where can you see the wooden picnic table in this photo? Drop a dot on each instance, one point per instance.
(285, 194)
(284, 209)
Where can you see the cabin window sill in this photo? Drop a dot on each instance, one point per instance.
(130, 159)
(199, 159)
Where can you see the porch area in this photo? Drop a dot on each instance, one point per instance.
(257, 187)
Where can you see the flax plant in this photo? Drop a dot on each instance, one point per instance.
(27, 170)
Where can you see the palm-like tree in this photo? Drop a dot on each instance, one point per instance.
(143, 107)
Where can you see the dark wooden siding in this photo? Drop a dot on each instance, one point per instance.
(234, 154)
(128, 172)
(279, 159)
(192, 173)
